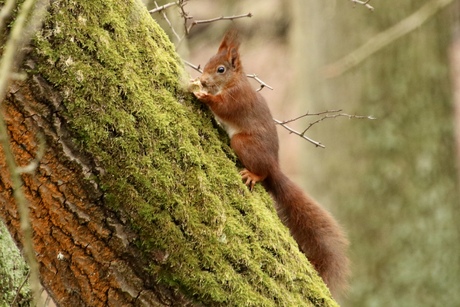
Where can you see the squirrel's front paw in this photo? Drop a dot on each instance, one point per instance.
(201, 95)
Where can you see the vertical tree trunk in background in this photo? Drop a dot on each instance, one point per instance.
(391, 181)
(137, 201)
(455, 67)
(454, 56)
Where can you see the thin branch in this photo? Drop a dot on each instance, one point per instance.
(203, 21)
(317, 144)
(18, 291)
(262, 83)
(310, 114)
(48, 300)
(179, 39)
(161, 8)
(328, 115)
(197, 22)
(197, 68)
(365, 3)
(181, 4)
(385, 38)
(350, 116)
(184, 15)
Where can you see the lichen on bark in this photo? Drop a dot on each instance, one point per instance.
(159, 165)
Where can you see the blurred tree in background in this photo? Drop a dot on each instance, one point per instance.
(391, 181)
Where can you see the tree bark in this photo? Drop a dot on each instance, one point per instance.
(137, 200)
(79, 242)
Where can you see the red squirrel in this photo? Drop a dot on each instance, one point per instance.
(245, 116)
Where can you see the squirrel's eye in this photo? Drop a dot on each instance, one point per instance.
(221, 69)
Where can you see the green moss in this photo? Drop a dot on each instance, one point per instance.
(13, 272)
(166, 169)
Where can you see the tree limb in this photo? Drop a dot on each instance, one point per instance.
(383, 39)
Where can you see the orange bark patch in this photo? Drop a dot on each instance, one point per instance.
(73, 242)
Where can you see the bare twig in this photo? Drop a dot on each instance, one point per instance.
(18, 291)
(310, 114)
(197, 68)
(28, 20)
(385, 38)
(203, 21)
(262, 83)
(47, 300)
(161, 8)
(179, 39)
(185, 15)
(222, 18)
(365, 3)
(350, 116)
(329, 114)
(317, 144)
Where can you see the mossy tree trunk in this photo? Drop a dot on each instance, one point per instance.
(137, 200)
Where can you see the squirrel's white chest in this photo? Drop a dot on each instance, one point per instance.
(229, 128)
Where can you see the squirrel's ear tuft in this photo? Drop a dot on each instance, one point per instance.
(230, 41)
(230, 45)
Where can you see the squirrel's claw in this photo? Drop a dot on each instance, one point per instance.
(250, 178)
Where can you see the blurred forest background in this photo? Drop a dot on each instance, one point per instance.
(393, 182)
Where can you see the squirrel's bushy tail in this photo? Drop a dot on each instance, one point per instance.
(318, 234)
